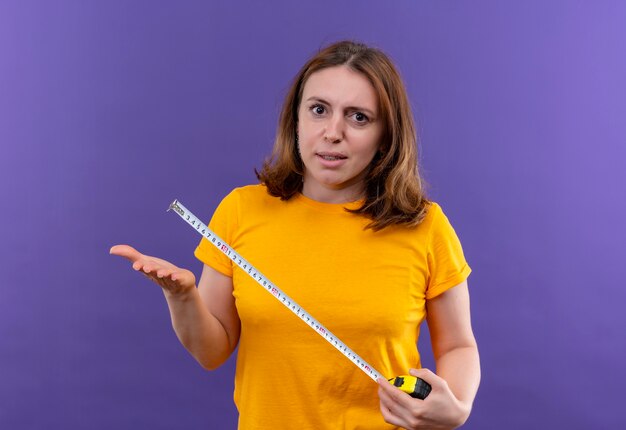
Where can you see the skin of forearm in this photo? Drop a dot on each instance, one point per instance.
(198, 330)
(460, 368)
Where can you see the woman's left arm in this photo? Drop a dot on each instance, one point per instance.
(454, 346)
(458, 369)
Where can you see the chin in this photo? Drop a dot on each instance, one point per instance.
(337, 183)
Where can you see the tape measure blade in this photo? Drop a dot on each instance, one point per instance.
(265, 283)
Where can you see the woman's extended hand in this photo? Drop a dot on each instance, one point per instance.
(440, 410)
(173, 280)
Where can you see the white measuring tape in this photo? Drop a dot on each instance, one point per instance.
(287, 301)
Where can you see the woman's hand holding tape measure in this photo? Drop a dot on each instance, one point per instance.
(440, 410)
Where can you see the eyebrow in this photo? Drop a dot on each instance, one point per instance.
(357, 108)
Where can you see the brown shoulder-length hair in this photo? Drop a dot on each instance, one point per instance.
(394, 190)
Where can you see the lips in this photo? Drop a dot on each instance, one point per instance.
(331, 156)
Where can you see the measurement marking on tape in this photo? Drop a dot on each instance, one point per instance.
(283, 298)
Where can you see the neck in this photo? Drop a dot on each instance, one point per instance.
(333, 195)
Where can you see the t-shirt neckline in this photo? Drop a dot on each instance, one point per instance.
(328, 207)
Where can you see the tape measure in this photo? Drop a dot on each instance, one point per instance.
(415, 387)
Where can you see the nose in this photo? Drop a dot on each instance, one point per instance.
(334, 129)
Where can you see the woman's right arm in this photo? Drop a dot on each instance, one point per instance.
(205, 319)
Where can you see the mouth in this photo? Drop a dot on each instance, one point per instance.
(331, 156)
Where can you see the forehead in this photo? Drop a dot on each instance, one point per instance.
(341, 86)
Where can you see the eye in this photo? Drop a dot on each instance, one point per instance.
(360, 117)
(317, 109)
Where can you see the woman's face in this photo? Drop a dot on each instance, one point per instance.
(339, 132)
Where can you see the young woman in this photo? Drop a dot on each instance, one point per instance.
(340, 222)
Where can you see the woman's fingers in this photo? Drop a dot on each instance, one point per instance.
(389, 416)
(140, 261)
(397, 407)
(172, 279)
(394, 394)
(425, 374)
(163, 281)
(161, 272)
(392, 412)
(125, 251)
(131, 254)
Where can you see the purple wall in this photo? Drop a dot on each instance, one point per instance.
(110, 110)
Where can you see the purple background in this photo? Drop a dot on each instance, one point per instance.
(110, 110)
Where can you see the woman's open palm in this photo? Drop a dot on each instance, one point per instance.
(171, 278)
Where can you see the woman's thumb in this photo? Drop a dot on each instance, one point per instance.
(125, 251)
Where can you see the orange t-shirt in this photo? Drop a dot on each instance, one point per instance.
(368, 288)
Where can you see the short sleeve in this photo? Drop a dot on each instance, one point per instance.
(446, 263)
(223, 223)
